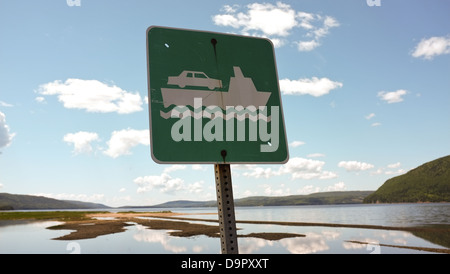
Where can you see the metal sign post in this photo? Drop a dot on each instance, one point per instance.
(225, 206)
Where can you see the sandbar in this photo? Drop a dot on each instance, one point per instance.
(108, 223)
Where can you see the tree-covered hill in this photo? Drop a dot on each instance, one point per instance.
(23, 202)
(429, 182)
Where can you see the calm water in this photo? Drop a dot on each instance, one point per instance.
(35, 238)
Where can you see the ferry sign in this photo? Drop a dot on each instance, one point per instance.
(213, 98)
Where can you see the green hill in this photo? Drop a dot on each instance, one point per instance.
(429, 182)
(25, 202)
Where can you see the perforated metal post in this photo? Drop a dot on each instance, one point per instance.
(225, 205)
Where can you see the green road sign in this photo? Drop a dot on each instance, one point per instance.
(213, 98)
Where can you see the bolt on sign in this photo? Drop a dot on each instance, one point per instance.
(213, 98)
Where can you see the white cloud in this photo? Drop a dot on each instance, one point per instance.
(248, 193)
(40, 99)
(314, 189)
(317, 33)
(307, 45)
(277, 42)
(199, 167)
(93, 96)
(81, 141)
(259, 172)
(396, 165)
(5, 136)
(308, 189)
(434, 46)
(296, 143)
(122, 141)
(378, 171)
(230, 9)
(305, 20)
(276, 21)
(315, 155)
(265, 18)
(336, 187)
(393, 96)
(374, 124)
(4, 104)
(395, 172)
(393, 169)
(301, 168)
(355, 165)
(297, 168)
(282, 191)
(226, 20)
(328, 23)
(93, 198)
(196, 187)
(314, 86)
(164, 183)
(370, 116)
(173, 168)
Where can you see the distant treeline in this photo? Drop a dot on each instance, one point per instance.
(320, 198)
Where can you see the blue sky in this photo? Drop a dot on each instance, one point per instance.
(365, 91)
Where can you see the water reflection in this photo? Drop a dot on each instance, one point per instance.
(313, 243)
(29, 237)
(252, 245)
(140, 239)
(162, 237)
(343, 241)
(137, 238)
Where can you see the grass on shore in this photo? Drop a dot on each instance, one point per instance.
(55, 215)
(47, 215)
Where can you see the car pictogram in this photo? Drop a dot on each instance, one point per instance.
(194, 78)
